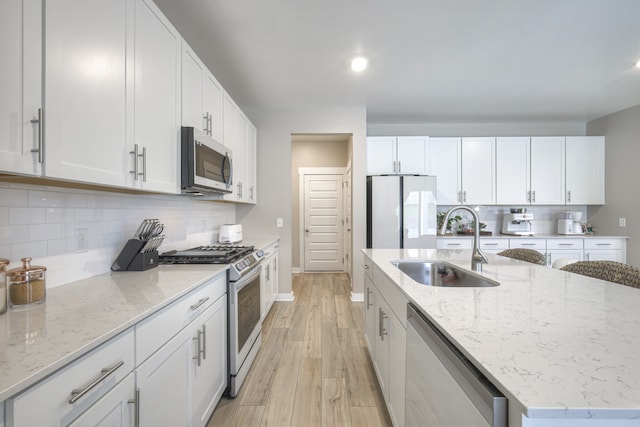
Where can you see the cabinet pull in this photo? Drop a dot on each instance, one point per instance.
(569, 196)
(369, 292)
(399, 166)
(136, 408)
(198, 348)
(565, 244)
(204, 341)
(453, 244)
(548, 258)
(528, 244)
(199, 303)
(528, 196)
(586, 255)
(206, 123)
(491, 244)
(603, 244)
(464, 196)
(40, 149)
(251, 192)
(144, 164)
(533, 194)
(210, 124)
(104, 373)
(382, 330)
(135, 162)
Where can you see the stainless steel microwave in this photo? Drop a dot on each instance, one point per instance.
(206, 165)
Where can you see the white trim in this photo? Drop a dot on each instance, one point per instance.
(286, 297)
(301, 174)
(295, 270)
(357, 297)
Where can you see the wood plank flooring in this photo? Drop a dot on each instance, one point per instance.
(313, 368)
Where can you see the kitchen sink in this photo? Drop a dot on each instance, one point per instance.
(437, 273)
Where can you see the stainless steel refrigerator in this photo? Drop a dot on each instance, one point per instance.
(401, 212)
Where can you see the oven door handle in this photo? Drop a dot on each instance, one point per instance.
(245, 280)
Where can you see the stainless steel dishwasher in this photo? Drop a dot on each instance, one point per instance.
(442, 387)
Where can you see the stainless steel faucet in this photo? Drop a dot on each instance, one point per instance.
(477, 258)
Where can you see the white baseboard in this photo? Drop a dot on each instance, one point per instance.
(357, 297)
(295, 270)
(286, 297)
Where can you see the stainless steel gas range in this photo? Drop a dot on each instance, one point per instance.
(244, 327)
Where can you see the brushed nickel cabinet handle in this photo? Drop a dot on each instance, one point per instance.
(40, 149)
(135, 162)
(136, 408)
(104, 373)
(199, 303)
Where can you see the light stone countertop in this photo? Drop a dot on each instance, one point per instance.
(535, 236)
(36, 341)
(559, 344)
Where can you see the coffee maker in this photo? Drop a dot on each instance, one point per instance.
(518, 224)
(565, 223)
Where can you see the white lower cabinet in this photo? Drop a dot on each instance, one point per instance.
(385, 333)
(114, 409)
(72, 390)
(493, 246)
(454, 243)
(564, 248)
(269, 279)
(605, 249)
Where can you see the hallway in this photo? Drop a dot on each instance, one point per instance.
(313, 368)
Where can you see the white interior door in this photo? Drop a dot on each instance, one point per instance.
(323, 245)
(346, 208)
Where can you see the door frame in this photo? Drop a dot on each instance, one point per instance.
(302, 172)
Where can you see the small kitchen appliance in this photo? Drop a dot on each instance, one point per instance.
(205, 164)
(565, 223)
(141, 252)
(230, 233)
(244, 326)
(518, 224)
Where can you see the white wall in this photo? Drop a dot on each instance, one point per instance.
(477, 129)
(622, 175)
(40, 222)
(274, 177)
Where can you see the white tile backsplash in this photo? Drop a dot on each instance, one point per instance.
(40, 222)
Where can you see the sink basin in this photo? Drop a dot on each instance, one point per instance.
(437, 273)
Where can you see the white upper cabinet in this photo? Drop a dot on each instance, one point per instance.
(584, 170)
(156, 101)
(478, 171)
(234, 137)
(201, 96)
(252, 156)
(20, 85)
(513, 170)
(85, 81)
(444, 163)
(547, 170)
(402, 155)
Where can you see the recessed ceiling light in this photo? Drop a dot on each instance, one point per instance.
(359, 64)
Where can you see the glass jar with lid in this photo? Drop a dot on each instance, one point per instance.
(3, 285)
(26, 284)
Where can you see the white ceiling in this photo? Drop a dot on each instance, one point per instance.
(431, 61)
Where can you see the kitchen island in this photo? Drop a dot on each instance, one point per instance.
(564, 349)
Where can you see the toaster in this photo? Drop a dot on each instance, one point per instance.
(230, 233)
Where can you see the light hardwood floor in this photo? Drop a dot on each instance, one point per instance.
(313, 368)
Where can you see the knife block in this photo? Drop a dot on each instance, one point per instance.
(131, 259)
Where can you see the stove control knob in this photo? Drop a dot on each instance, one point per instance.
(239, 266)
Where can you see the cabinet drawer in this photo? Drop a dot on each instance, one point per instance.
(564, 243)
(538, 244)
(158, 328)
(368, 267)
(595, 243)
(495, 244)
(453, 243)
(47, 402)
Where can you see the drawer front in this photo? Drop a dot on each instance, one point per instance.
(453, 243)
(158, 328)
(47, 403)
(564, 244)
(593, 243)
(494, 244)
(394, 297)
(537, 244)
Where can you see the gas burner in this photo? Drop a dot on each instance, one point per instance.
(211, 254)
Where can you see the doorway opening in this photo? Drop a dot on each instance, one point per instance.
(321, 195)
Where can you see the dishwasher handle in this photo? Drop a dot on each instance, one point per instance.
(489, 401)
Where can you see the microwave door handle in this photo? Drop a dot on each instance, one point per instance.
(227, 179)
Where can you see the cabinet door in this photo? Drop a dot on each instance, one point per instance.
(85, 81)
(212, 105)
(381, 155)
(444, 163)
(555, 254)
(193, 82)
(265, 287)
(585, 170)
(512, 171)
(20, 84)
(209, 367)
(412, 155)
(604, 255)
(115, 409)
(547, 170)
(156, 99)
(397, 369)
(252, 196)
(163, 381)
(478, 171)
(232, 138)
(274, 278)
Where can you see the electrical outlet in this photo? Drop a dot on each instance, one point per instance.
(622, 222)
(82, 239)
(279, 222)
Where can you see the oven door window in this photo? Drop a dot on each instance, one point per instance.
(248, 310)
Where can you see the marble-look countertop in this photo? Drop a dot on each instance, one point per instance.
(36, 341)
(559, 344)
(535, 236)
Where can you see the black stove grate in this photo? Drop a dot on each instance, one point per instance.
(214, 254)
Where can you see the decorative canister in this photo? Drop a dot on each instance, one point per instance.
(3, 285)
(26, 284)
